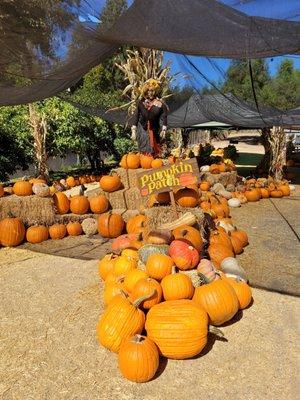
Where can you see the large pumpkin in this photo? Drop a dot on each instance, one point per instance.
(74, 228)
(158, 266)
(184, 255)
(190, 235)
(110, 183)
(61, 202)
(79, 205)
(57, 231)
(110, 225)
(130, 161)
(147, 287)
(187, 197)
(37, 234)
(218, 299)
(217, 252)
(120, 321)
(22, 188)
(12, 232)
(178, 327)
(177, 286)
(138, 359)
(99, 204)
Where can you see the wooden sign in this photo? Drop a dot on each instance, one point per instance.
(166, 179)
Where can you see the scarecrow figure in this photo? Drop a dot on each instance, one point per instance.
(149, 114)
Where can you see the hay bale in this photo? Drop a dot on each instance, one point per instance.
(129, 214)
(95, 192)
(31, 209)
(66, 218)
(117, 199)
(133, 199)
(225, 178)
(133, 177)
(123, 174)
(164, 214)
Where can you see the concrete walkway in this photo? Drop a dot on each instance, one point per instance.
(49, 308)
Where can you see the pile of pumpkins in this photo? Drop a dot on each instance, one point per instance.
(163, 291)
(136, 160)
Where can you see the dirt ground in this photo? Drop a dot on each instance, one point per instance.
(50, 305)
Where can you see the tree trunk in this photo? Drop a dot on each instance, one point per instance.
(274, 142)
(39, 132)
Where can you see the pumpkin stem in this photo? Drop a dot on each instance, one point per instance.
(173, 270)
(137, 338)
(138, 302)
(215, 331)
(184, 232)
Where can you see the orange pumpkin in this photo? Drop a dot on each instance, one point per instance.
(37, 234)
(214, 169)
(106, 265)
(205, 186)
(158, 266)
(252, 195)
(136, 224)
(265, 194)
(79, 205)
(219, 236)
(110, 225)
(187, 197)
(242, 291)
(138, 359)
(190, 235)
(146, 161)
(74, 228)
(147, 287)
(99, 204)
(123, 265)
(70, 181)
(130, 161)
(130, 253)
(218, 299)
(113, 289)
(241, 235)
(276, 193)
(177, 286)
(236, 244)
(217, 252)
(126, 241)
(57, 231)
(110, 183)
(157, 163)
(22, 188)
(12, 232)
(183, 254)
(61, 202)
(285, 189)
(132, 277)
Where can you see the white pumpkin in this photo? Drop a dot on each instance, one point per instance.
(41, 189)
(292, 188)
(89, 226)
(231, 267)
(234, 202)
(226, 194)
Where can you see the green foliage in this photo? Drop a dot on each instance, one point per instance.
(231, 152)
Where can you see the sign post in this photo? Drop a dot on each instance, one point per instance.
(167, 179)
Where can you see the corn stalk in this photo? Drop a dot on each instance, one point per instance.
(141, 65)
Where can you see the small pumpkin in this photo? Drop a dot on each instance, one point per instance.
(252, 195)
(177, 286)
(132, 277)
(218, 252)
(130, 253)
(22, 188)
(99, 204)
(114, 289)
(106, 265)
(57, 231)
(136, 224)
(41, 189)
(12, 232)
(158, 266)
(157, 163)
(178, 327)
(218, 299)
(61, 202)
(130, 161)
(70, 181)
(265, 194)
(126, 241)
(122, 265)
(79, 205)
(183, 254)
(207, 271)
(37, 234)
(241, 235)
(147, 250)
(74, 228)
(242, 291)
(147, 287)
(234, 203)
(276, 193)
(190, 235)
(110, 183)
(110, 225)
(138, 359)
(237, 244)
(205, 186)
(146, 161)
